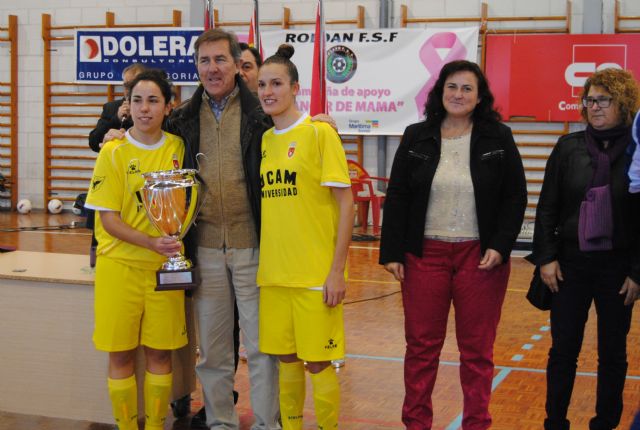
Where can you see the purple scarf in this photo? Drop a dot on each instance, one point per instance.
(595, 224)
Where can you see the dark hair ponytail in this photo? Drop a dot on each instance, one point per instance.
(282, 56)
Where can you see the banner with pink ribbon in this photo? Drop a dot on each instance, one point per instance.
(447, 41)
(377, 80)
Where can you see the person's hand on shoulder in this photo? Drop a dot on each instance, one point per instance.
(113, 134)
(323, 117)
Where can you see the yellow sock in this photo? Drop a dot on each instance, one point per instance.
(157, 389)
(292, 392)
(124, 401)
(326, 398)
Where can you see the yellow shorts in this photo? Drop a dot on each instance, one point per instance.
(128, 312)
(296, 321)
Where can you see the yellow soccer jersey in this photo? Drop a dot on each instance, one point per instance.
(299, 213)
(117, 177)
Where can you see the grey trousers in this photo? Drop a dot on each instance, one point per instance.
(229, 275)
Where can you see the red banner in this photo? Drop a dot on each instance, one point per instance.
(541, 76)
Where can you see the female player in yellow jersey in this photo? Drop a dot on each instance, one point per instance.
(307, 217)
(128, 312)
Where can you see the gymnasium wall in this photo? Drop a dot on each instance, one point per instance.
(88, 12)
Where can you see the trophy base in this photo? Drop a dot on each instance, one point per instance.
(168, 280)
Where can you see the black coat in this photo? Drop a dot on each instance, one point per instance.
(185, 122)
(108, 120)
(567, 176)
(498, 180)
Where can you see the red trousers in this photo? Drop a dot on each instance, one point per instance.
(448, 272)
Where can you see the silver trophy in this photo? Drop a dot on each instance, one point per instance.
(171, 200)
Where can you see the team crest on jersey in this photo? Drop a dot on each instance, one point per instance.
(292, 150)
(97, 182)
(134, 167)
(176, 162)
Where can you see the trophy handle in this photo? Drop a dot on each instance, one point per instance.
(195, 203)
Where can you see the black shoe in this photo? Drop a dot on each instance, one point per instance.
(562, 424)
(181, 407)
(597, 423)
(199, 420)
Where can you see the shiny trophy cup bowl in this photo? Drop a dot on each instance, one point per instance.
(171, 200)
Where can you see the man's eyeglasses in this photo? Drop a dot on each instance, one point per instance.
(603, 102)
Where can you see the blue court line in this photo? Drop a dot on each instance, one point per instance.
(373, 357)
(501, 376)
(501, 368)
(455, 424)
(397, 359)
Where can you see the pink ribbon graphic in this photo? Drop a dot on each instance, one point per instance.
(432, 62)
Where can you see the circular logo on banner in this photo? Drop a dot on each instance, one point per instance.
(341, 64)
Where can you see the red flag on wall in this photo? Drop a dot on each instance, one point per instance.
(251, 39)
(254, 32)
(318, 102)
(208, 14)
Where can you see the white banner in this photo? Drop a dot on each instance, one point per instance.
(377, 81)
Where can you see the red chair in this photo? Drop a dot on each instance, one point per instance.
(365, 194)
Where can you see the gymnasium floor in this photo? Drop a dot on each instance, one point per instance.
(372, 388)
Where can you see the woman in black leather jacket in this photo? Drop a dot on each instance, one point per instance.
(453, 210)
(586, 243)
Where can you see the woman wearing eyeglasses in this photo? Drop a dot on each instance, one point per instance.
(586, 243)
